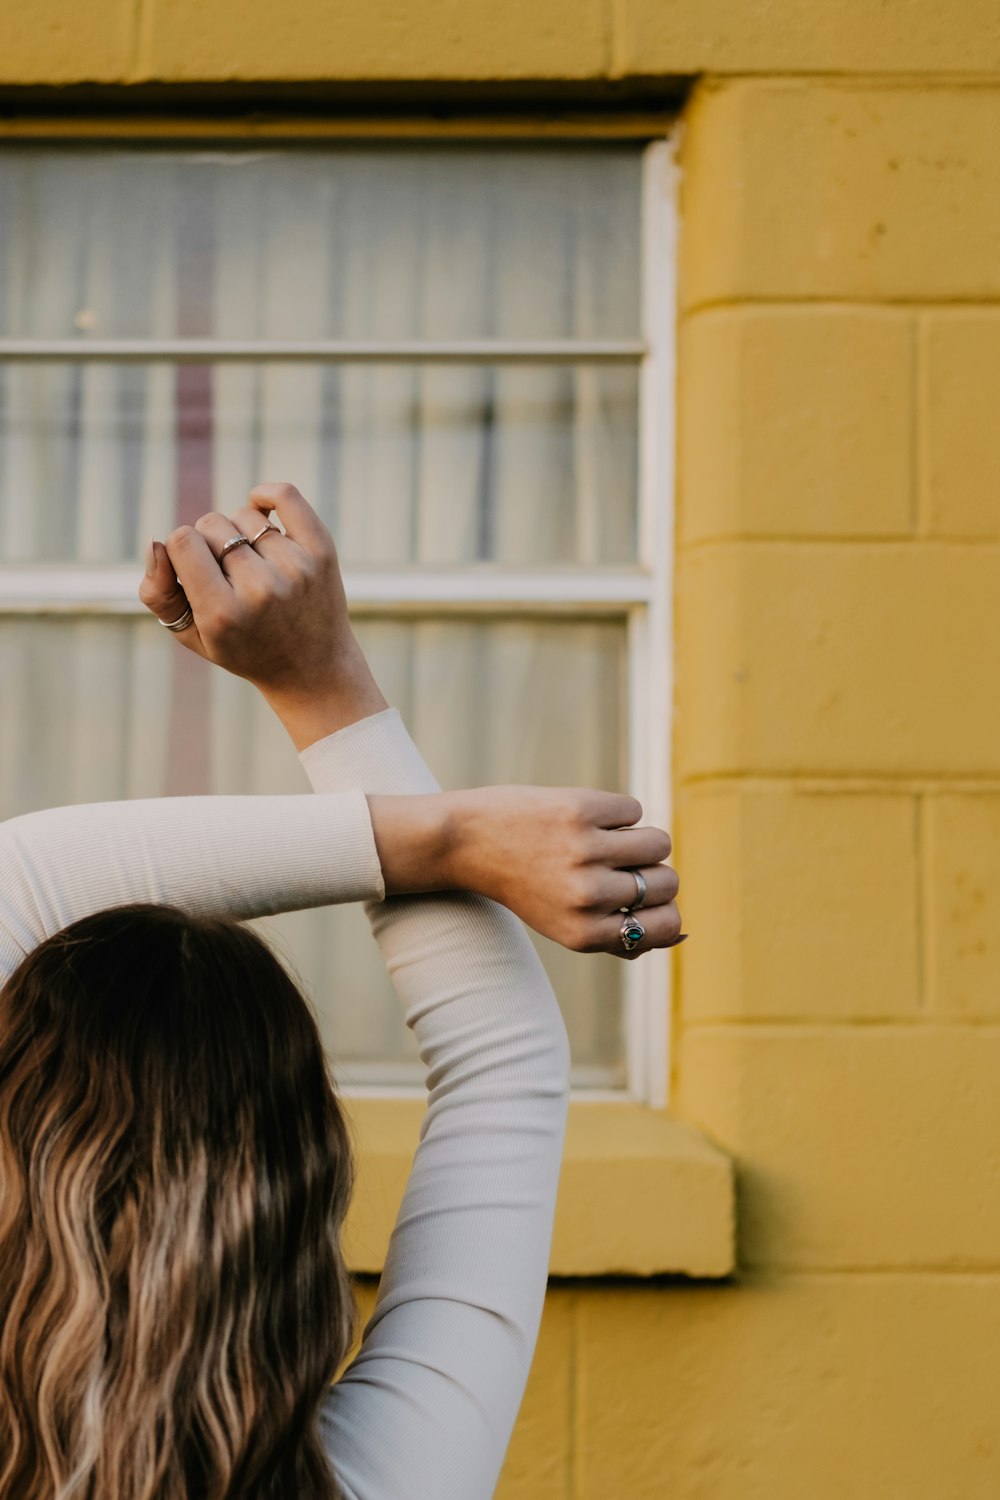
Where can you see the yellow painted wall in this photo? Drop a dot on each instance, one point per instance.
(838, 715)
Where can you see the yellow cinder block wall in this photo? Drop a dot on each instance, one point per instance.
(837, 765)
(837, 743)
(838, 755)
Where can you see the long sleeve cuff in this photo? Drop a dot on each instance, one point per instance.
(375, 754)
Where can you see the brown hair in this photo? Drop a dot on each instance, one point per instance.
(174, 1173)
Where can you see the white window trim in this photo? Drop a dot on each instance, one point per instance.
(344, 351)
(648, 997)
(643, 594)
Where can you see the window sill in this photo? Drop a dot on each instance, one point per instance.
(640, 1192)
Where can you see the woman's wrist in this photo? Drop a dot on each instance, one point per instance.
(462, 868)
(416, 838)
(312, 711)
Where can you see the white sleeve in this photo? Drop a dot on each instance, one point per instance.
(427, 1406)
(214, 856)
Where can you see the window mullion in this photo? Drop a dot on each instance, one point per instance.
(412, 590)
(326, 351)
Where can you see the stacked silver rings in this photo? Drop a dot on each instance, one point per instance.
(632, 931)
(187, 618)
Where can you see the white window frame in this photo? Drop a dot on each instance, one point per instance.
(641, 594)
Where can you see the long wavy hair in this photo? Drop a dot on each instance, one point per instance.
(174, 1173)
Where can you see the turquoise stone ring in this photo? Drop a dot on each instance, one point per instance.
(631, 933)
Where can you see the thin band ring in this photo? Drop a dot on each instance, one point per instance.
(234, 541)
(640, 892)
(267, 526)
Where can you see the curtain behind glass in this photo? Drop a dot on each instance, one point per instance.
(408, 464)
(473, 466)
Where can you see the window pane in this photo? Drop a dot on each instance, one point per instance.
(489, 700)
(344, 241)
(435, 464)
(413, 464)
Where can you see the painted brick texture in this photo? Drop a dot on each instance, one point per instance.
(799, 189)
(962, 879)
(807, 1388)
(959, 381)
(839, 659)
(811, 429)
(812, 899)
(838, 805)
(55, 41)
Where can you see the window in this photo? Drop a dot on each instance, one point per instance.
(462, 355)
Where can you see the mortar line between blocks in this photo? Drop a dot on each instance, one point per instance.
(897, 306)
(137, 23)
(613, 28)
(919, 477)
(922, 898)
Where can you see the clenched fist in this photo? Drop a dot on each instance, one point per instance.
(273, 612)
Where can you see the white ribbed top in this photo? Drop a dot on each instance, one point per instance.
(426, 1408)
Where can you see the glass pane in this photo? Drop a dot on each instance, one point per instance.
(429, 464)
(419, 464)
(488, 700)
(344, 241)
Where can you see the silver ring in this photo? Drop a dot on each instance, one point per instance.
(631, 933)
(186, 619)
(268, 526)
(640, 892)
(234, 541)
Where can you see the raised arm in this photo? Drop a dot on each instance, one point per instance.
(429, 1403)
(427, 1407)
(214, 856)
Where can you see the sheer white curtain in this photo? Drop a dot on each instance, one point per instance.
(464, 466)
(86, 469)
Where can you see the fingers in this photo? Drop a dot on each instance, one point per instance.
(238, 562)
(164, 596)
(193, 568)
(631, 848)
(285, 556)
(296, 515)
(197, 571)
(619, 888)
(662, 926)
(611, 809)
(268, 544)
(617, 813)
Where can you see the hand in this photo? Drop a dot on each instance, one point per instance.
(274, 612)
(560, 858)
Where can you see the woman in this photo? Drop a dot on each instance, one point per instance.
(174, 1165)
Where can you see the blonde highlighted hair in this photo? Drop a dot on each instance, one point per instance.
(174, 1173)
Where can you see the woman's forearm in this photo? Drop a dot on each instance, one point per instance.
(415, 836)
(447, 1350)
(328, 706)
(239, 857)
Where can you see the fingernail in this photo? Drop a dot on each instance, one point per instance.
(151, 557)
(682, 939)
